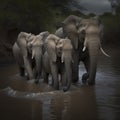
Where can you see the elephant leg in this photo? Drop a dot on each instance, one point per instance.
(22, 71)
(56, 82)
(85, 76)
(65, 82)
(63, 79)
(52, 83)
(45, 76)
(75, 67)
(35, 74)
(28, 67)
(36, 77)
(54, 72)
(75, 71)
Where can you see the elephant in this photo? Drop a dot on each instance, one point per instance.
(72, 28)
(92, 45)
(28, 52)
(58, 60)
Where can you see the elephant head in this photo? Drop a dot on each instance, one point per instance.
(92, 31)
(31, 49)
(58, 47)
(62, 48)
(70, 29)
(50, 45)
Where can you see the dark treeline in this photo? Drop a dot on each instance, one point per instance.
(29, 16)
(40, 15)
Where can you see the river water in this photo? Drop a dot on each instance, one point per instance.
(20, 100)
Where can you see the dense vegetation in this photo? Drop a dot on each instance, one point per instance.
(40, 15)
(31, 16)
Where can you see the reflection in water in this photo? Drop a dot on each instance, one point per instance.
(19, 109)
(67, 103)
(20, 100)
(57, 107)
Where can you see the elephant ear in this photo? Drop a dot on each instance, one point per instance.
(50, 44)
(37, 41)
(72, 19)
(70, 28)
(70, 31)
(44, 35)
(22, 42)
(67, 50)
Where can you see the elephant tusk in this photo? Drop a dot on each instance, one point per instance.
(84, 49)
(104, 52)
(33, 54)
(62, 60)
(72, 61)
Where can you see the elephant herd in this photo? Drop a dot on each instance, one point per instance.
(59, 54)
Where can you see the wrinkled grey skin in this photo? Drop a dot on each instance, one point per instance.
(27, 51)
(93, 32)
(70, 29)
(73, 29)
(58, 60)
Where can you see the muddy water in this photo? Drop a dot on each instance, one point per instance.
(20, 100)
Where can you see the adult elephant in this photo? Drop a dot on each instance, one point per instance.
(70, 29)
(92, 30)
(27, 51)
(58, 60)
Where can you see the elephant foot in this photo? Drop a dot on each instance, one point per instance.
(84, 78)
(91, 82)
(65, 89)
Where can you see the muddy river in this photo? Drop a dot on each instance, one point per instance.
(20, 100)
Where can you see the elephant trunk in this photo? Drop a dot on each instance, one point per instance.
(37, 54)
(93, 48)
(68, 71)
(74, 40)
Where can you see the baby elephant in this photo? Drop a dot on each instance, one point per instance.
(58, 60)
